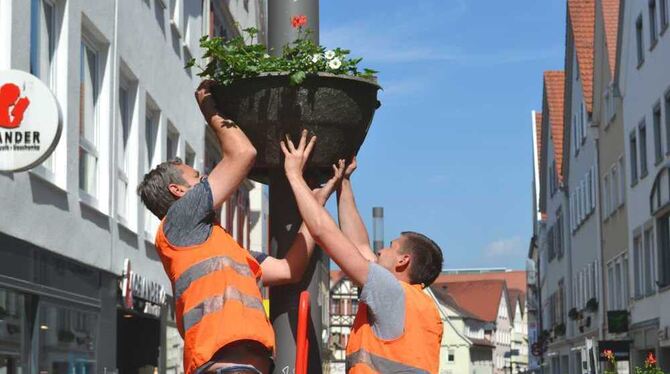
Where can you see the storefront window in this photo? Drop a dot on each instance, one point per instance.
(66, 340)
(12, 332)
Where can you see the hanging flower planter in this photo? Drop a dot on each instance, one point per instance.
(306, 86)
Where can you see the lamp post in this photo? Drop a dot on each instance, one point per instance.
(285, 218)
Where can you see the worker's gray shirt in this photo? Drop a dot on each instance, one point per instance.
(190, 219)
(385, 298)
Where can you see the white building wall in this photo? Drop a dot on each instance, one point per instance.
(583, 191)
(642, 86)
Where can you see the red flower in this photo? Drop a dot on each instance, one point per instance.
(608, 354)
(298, 21)
(651, 360)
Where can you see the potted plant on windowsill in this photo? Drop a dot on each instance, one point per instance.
(306, 86)
(592, 305)
(559, 330)
(574, 314)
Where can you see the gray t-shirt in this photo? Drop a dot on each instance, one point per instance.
(190, 219)
(385, 298)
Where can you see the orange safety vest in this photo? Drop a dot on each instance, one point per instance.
(217, 297)
(417, 350)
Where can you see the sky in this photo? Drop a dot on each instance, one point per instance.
(449, 153)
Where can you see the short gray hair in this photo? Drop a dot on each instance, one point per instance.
(154, 191)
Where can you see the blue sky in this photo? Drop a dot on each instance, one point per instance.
(449, 153)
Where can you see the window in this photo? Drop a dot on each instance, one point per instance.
(664, 14)
(667, 121)
(172, 142)
(151, 156)
(653, 32)
(559, 233)
(43, 37)
(451, 356)
(582, 121)
(615, 187)
(551, 179)
(189, 156)
(611, 294)
(639, 32)
(642, 128)
(622, 182)
(649, 278)
(658, 150)
(88, 119)
(633, 158)
(123, 162)
(43, 40)
(663, 224)
(575, 134)
(638, 266)
(607, 208)
(551, 243)
(159, 14)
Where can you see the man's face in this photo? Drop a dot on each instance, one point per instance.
(190, 175)
(392, 256)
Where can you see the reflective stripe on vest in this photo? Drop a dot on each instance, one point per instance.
(216, 303)
(205, 267)
(380, 364)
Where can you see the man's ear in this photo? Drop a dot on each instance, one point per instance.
(403, 262)
(176, 190)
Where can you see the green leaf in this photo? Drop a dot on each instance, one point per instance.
(297, 78)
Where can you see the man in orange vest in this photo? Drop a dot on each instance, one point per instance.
(398, 328)
(218, 303)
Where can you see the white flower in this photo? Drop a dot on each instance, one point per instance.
(335, 63)
(316, 57)
(266, 56)
(329, 54)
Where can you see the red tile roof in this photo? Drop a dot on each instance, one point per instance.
(611, 21)
(442, 294)
(554, 88)
(515, 279)
(480, 298)
(582, 19)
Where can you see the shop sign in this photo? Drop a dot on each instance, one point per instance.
(620, 348)
(30, 121)
(137, 286)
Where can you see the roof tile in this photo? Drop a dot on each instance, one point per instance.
(480, 298)
(554, 88)
(582, 20)
(611, 21)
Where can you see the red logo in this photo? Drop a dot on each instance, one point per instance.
(10, 99)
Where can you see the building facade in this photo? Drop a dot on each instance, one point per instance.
(78, 258)
(580, 172)
(644, 85)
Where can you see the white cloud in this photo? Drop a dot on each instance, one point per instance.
(507, 247)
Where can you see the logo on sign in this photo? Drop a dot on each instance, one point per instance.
(12, 106)
(30, 122)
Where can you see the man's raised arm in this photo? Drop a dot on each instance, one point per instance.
(291, 268)
(316, 217)
(238, 154)
(350, 219)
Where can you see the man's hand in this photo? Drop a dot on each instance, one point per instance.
(296, 158)
(350, 168)
(207, 104)
(323, 193)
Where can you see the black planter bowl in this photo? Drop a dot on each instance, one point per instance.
(337, 109)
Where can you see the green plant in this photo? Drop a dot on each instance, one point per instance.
(574, 314)
(592, 305)
(649, 366)
(234, 59)
(559, 330)
(610, 366)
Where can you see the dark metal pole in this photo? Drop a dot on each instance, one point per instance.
(285, 220)
(280, 31)
(377, 228)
